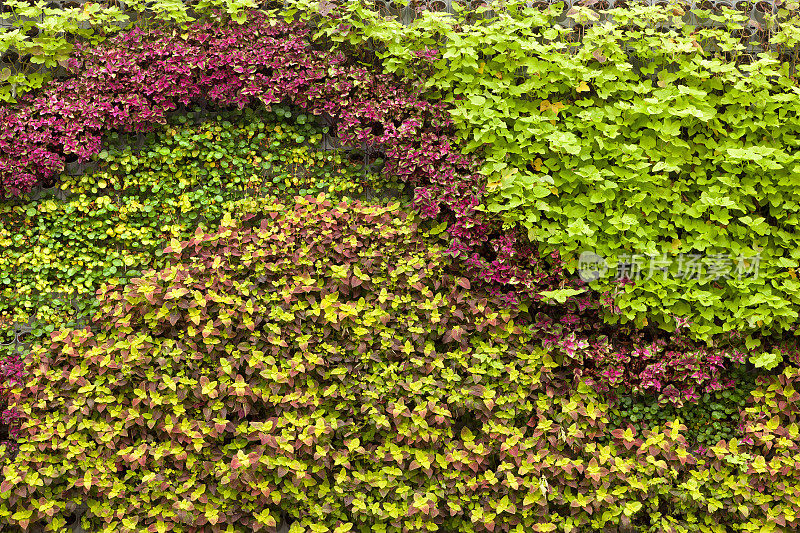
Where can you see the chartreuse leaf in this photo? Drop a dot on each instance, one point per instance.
(627, 147)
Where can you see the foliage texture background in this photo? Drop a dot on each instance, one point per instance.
(357, 369)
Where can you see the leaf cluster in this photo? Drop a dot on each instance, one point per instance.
(37, 38)
(112, 222)
(629, 133)
(323, 362)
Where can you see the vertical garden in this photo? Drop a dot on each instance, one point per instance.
(331, 266)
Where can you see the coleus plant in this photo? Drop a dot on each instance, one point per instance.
(12, 375)
(621, 132)
(36, 38)
(327, 363)
(713, 417)
(216, 350)
(114, 221)
(133, 80)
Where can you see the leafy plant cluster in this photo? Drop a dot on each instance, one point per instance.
(36, 38)
(326, 362)
(674, 369)
(133, 80)
(712, 417)
(56, 250)
(630, 134)
(12, 374)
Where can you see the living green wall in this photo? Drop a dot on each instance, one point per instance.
(260, 352)
(112, 221)
(323, 361)
(632, 135)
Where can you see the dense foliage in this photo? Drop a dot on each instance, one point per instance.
(668, 149)
(117, 216)
(321, 361)
(36, 38)
(137, 76)
(358, 367)
(113, 222)
(712, 417)
(132, 80)
(311, 296)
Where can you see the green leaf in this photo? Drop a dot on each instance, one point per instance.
(560, 295)
(766, 360)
